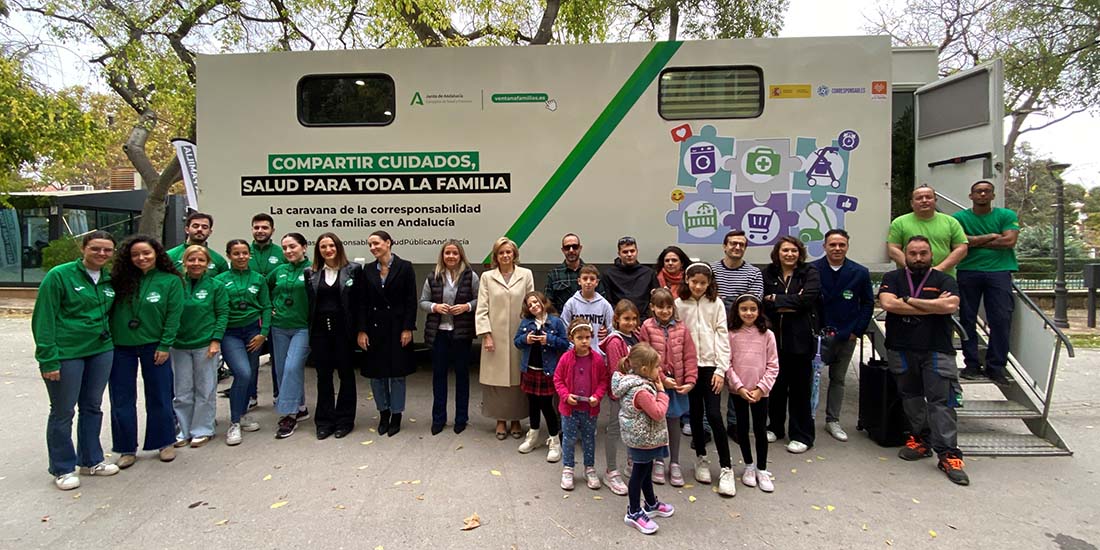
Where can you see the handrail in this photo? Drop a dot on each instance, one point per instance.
(1023, 296)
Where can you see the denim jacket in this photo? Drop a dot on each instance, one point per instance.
(557, 342)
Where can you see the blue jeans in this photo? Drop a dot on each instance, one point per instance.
(243, 363)
(583, 424)
(196, 382)
(995, 287)
(82, 383)
(389, 394)
(160, 420)
(290, 348)
(448, 354)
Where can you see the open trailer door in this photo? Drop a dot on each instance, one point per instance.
(960, 132)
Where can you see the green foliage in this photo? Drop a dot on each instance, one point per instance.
(65, 249)
(1030, 190)
(902, 164)
(1038, 242)
(705, 19)
(41, 128)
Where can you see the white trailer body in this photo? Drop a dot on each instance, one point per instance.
(668, 142)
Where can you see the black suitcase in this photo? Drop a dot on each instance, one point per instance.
(880, 411)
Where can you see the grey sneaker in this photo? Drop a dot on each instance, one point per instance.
(101, 469)
(248, 424)
(836, 431)
(67, 482)
(233, 436)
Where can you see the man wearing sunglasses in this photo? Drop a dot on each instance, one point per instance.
(629, 279)
(561, 282)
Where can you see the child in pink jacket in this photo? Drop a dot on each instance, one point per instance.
(754, 364)
(581, 381)
(679, 370)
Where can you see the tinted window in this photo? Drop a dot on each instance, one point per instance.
(711, 92)
(346, 100)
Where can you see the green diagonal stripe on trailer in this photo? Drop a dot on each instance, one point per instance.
(592, 140)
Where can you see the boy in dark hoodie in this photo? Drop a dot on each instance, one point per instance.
(630, 280)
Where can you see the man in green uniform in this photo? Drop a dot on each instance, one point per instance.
(198, 228)
(986, 274)
(942, 231)
(266, 256)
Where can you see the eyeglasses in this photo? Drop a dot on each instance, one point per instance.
(627, 241)
(737, 244)
(571, 247)
(101, 250)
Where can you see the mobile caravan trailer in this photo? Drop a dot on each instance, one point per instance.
(669, 142)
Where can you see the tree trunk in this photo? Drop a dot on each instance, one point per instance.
(156, 182)
(1018, 116)
(673, 20)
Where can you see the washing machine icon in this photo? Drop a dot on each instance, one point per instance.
(702, 160)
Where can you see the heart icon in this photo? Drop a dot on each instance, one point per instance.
(552, 105)
(681, 133)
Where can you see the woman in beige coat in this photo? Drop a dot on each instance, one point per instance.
(499, 302)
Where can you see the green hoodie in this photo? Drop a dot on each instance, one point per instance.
(288, 295)
(264, 260)
(248, 288)
(71, 316)
(205, 312)
(156, 306)
(217, 265)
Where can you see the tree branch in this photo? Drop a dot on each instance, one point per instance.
(546, 25)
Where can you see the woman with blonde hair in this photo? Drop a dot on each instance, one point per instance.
(449, 296)
(499, 302)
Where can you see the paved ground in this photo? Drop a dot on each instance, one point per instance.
(414, 490)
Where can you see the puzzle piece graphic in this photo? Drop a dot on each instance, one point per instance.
(824, 169)
(702, 157)
(763, 167)
(697, 220)
(762, 222)
(816, 218)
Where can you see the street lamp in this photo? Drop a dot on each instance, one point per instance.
(1060, 318)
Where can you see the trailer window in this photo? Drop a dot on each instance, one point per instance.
(711, 92)
(346, 100)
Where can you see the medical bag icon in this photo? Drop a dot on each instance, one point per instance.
(702, 160)
(762, 161)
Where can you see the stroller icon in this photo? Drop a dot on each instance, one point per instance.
(822, 168)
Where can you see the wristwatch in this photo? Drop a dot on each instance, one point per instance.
(905, 299)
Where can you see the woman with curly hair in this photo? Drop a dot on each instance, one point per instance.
(144, 322)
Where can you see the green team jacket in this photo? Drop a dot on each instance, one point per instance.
(205, 312)
(288, 295)
(248, 288)
(218, 264)
(156, 304)
(265, 259)
(71, 316)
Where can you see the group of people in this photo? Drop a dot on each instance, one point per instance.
(659, 343)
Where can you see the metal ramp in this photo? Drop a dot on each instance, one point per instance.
(1035, 346)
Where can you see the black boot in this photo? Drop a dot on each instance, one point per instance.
(395, 424)
(383, 422)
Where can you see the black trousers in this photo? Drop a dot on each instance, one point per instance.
(791, 392)
(759, 425)
(543, 405)
(333, 353)
(704, 402)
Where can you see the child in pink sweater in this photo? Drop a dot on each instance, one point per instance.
(754, 364)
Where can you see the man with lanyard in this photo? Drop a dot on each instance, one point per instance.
(919, 302)
(266, 256)
(943, 232)
(562, 281)
(986, 274)
(847, 301)
(735, 277)
(199, 227)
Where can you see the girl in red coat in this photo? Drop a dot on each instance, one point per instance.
(581, 381)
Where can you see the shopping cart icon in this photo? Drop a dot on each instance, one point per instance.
(759, 224)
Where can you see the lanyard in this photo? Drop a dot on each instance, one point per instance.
(915, 293)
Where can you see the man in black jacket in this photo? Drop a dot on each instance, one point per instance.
(629, 279)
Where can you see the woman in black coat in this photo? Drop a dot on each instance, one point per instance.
(791, 290)
(390, 321)
(336, 324)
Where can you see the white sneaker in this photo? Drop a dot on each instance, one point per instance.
(764, 481)
(702, 469)
(686, 430)
(67, 482)
(554, 454)
(836, 431)
(233, 436)
(248, 424)
(531, 442)
(797, 447)
(727, 483)
(749, 476)
(771, 437)
(101, 469)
